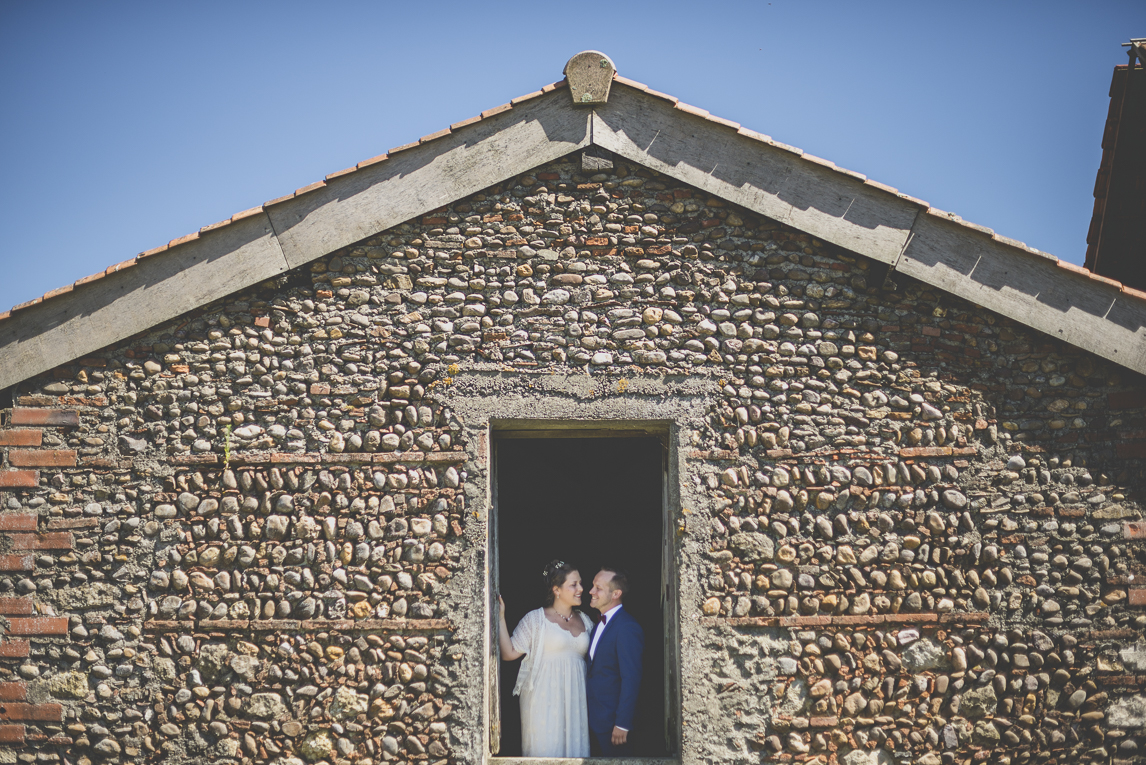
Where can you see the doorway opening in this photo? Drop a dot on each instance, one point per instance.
(590, 501)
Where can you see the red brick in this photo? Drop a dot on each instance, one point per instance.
(931, 331)
(824, 722)
(1134, 530)
(21, 437)
(18, 521)
(49, 540)
(42, 458)
(1137, 597)
(64, 417)
(11, 734)
(17, 691)
(15, 606)
(262, 321)
(15, 562)
(19, 479)
(926, 451)
(1131, 449)
(38, 625)
(1127, 399)
(14, 649)
(35, 712)
(319, 389)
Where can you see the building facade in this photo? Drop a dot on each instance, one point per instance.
(893, 523)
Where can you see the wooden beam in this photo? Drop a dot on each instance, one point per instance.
(137, 298)
(345, 210)
(1031, 289)
(1027, 287)
(768, 180)
(427, 177)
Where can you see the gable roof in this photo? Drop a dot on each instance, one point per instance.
(638, 124)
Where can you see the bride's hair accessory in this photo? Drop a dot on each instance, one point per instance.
(555, 573)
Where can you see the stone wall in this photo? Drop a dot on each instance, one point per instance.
(907, 529)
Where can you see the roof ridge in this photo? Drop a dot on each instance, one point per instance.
(924, 208)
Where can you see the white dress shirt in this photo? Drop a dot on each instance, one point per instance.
(605, 617)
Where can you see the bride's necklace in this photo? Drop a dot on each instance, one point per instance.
(567, 619)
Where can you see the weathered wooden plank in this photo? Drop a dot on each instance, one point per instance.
(134, 299)
(762, 178)
(415, 181)
(1028, 288)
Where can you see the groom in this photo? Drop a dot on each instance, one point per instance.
(614, 665)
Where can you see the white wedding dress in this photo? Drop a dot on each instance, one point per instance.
(554, 719)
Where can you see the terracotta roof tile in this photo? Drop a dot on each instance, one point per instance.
(183, 239)
(635, 84)
(526, 97)
(690, 109)
(309, 188)
(373, 161)
(57, 292)
(787, 147)
(820, 161)
(340, 173)
(279, 200)
(1040, 254)
(89, 279)
(246, 213)
(214, 226)
(152, 251)
(1134, 293)
(704, 114)
(495, 110)
(662, 96)
(881, 186)
(466, 123)
(434, 136)
(974, 226)
(724, 122)
(1009, 241)
(1105, 280)
(119, 267)
(404, 147)
(909, 198)
(755, 136)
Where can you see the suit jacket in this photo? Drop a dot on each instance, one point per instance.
(615, 674)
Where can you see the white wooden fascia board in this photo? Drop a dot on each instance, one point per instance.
(156, 289)
(1030, 289)
(767, 180)
(418, 180)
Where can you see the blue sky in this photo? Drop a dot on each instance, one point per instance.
(125, 125)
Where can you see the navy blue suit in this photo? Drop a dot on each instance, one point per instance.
(614, 679)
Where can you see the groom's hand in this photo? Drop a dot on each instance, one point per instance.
(620, 736)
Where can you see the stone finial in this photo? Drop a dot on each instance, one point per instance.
(590, 74)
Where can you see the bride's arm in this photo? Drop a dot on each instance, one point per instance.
(507, 651)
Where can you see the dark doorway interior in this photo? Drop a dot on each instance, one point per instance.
(587, 501)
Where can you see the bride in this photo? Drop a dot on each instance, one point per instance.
(551, 681)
